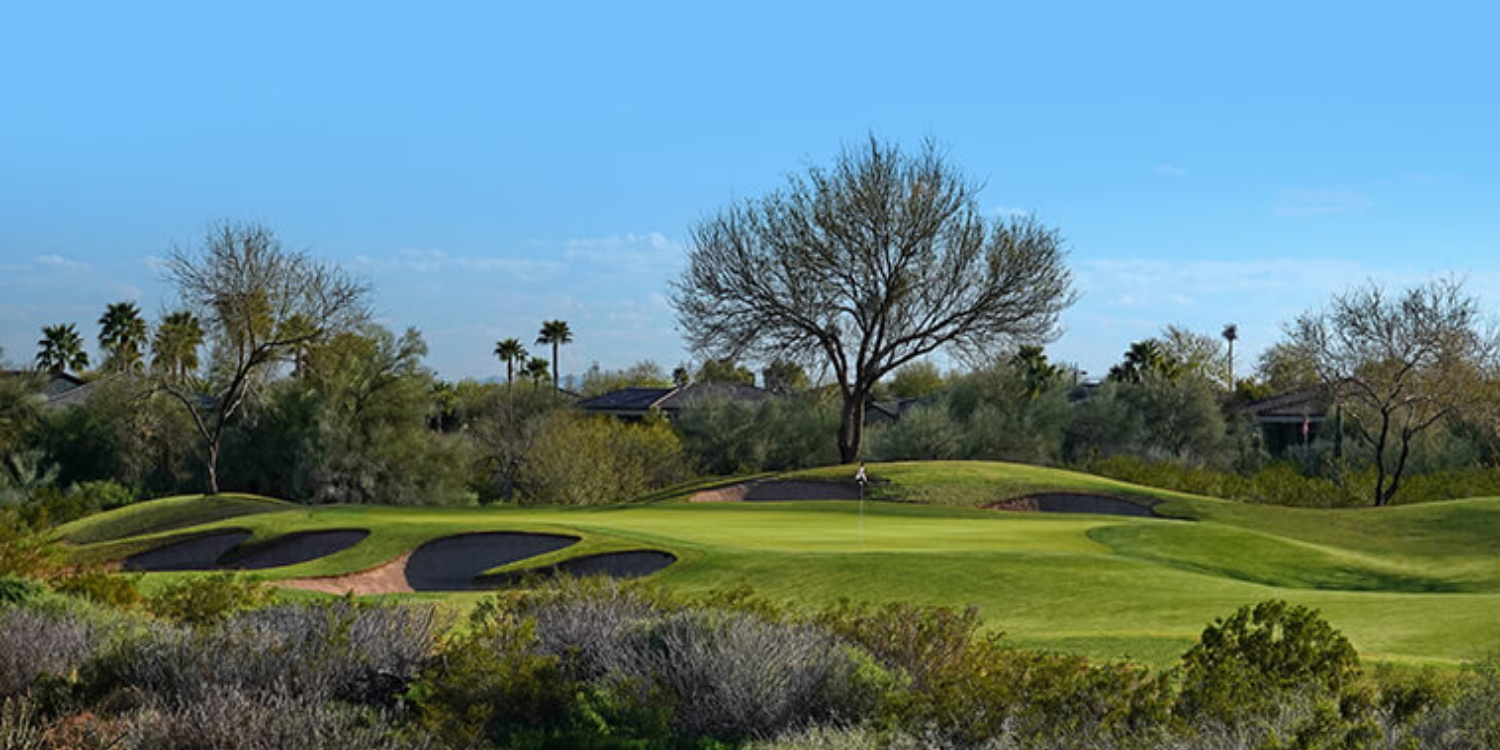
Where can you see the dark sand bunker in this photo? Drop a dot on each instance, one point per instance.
(291, 549)
(791, 490)
(452, 563)
(1068, 502)
(198, 553)
(631, 564)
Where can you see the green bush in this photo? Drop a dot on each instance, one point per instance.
(1246, 666)
(578, 460)
(726, 437)
(18, 590)
(204, 600)
(116, 590)
(489, 682)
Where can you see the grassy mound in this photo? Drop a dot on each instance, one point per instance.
(166, 514)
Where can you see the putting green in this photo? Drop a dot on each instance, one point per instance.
(1410, 584)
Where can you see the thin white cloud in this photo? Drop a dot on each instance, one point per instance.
(1011, 212)
(57, 261)
(433, 261)
(1168, 170)
(652, 252)
(1320, 202)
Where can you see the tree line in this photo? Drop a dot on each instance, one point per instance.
(858, 272)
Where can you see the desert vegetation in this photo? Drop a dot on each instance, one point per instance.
(590, 663)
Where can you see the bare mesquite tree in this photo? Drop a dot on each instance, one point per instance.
(257, 304)
(1402, 363)
(867, 265)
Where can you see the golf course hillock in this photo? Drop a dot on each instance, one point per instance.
(1409, 584)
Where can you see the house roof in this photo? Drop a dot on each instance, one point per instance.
(1310, 403)
(699, 392)
(626, 400)
(639, 401)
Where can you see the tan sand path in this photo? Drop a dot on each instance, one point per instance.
(387, 578)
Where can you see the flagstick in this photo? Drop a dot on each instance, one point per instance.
(861, 514)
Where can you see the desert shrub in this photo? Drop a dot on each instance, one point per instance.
(1471, 719)
(923, 642)
(587, 622)
(342, 650)
(23, 552)
(966, 688)
(927, 432)
(1102, 425)
(20, 726)
(733, 675)
(1248, 665)
(580, 460)
(110, 589)
(318, 653)
(1407, 697)
(239, 719)
(490, 682)
(1011, 413)
(17, 590)
(36, 644)
(204, 600)
(726, 437)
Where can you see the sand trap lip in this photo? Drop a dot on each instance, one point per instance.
(627, 564)
(386, 578)
(452, 563)
(778, 490)
(1074, 502)
(198, 553)
(294, 548)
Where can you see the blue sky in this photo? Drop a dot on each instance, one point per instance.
(489, 166)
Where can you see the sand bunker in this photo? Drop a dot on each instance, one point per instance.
(198, 553)
(452, 563)
(291, 549)
(778, 491)
(387, 578)
(1067, 502)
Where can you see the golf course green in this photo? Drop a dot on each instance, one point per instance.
(1409, 584)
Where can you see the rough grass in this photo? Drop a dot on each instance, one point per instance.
(1406, 584)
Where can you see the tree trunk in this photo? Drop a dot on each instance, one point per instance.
(213, 467)
(554, 366)
(852, 427)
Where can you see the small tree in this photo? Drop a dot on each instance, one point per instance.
(258, 303)
(1403, 363)
(724, 370)
(869, 265)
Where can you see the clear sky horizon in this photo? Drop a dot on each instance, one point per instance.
(489, 166)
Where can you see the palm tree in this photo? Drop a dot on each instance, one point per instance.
(536, 369)
(556, 333)
(1144, 358)
(1231, 333)
(510, 351)
(61, 349)
(122, 335)
(174, 350)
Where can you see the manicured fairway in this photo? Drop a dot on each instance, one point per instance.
(1418, 583)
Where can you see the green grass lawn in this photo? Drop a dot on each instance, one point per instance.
(1406, 584)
